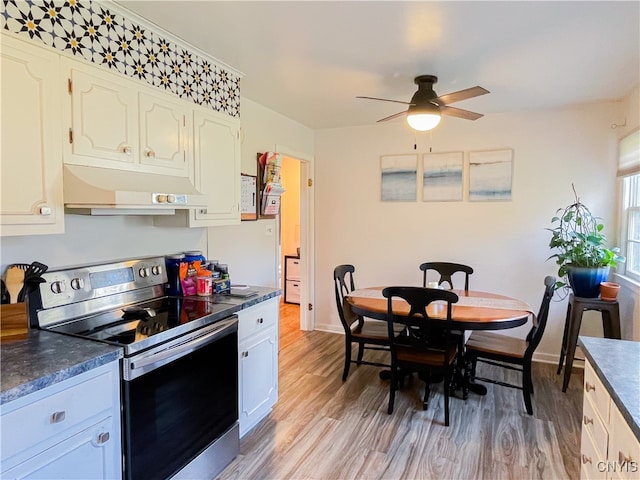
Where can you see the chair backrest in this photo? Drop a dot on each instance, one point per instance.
(540, 321)
(422, 326)
(344, 284)
(446, 270)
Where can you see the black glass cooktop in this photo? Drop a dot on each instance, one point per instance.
(139, 322)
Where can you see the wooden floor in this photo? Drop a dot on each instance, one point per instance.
(322, 428)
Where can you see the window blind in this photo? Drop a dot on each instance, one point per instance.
(629, 155)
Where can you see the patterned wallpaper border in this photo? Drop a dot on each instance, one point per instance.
(98, 33)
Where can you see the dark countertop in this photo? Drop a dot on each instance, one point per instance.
(45, 358)
(617, 364)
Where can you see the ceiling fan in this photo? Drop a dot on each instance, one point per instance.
(426, 106)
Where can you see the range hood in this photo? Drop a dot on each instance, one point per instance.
(106, 191)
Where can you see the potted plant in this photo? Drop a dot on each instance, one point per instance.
(583, 258)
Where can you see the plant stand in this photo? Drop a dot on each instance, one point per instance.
(575, 308)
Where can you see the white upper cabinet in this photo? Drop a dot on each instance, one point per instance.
(104, 121)
(31, 167)
(217, 168)
(119, 123)
(164, 133)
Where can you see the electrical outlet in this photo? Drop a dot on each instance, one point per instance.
(269, 230)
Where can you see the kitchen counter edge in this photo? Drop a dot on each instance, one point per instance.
(617, 364)
(46, 358)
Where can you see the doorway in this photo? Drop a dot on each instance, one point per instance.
(294, 244)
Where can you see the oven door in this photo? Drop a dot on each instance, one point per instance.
(178, 399)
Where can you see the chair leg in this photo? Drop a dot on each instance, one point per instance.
(425, 401)
(347, 359)
(392, 389)
(360, 352)
(527, 387)
(446, 399)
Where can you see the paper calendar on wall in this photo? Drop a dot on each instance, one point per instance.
(248, 197)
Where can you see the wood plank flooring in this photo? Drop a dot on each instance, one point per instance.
(322, 428)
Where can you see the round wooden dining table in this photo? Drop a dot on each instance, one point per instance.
(473, 311)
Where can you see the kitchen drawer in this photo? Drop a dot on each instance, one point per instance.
(56, 413)
(594, 391)
(589, 458)
(292, 268)
(593, 424)
(292, 291)
(624, 448)
(257, 318)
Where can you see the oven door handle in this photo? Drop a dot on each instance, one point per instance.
(181, 349)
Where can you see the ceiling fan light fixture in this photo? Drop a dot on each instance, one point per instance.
(423, 121)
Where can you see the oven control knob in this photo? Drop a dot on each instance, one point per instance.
(171, 198)
(161, 198)
(77, 283)
(156, 269)
(144, 272)
(58, 287)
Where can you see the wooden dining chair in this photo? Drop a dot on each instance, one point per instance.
(506, 351)
(425, 345)
(446, 270)
(368, 334)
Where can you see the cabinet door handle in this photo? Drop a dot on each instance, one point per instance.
(588, 420)
(622, 459)
(127, 150)
(588, 387)
(260, 320)
(58, 417)
(103, 438)
(586, 459)
(45, 211)
(245, 354)
(150, 153)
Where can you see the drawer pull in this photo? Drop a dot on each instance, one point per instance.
(260, 320)
(103, 438)
(588, 387)
(126, 149)
(586, 459)
(58, 417)
(622, 460)
(588, 420)
(150, 153)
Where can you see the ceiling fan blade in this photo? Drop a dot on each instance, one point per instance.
(391, 117)
(457, 112)
(385, 100)
(460, 95)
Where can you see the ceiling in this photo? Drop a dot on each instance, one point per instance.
(308, 60)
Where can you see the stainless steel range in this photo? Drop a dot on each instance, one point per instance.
(180, 383)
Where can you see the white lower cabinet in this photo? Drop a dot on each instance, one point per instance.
(257, 362)
(68, 430)
(609, 450)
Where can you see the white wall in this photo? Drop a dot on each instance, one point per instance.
(96, 239)
(252, 255)
(505, 242)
